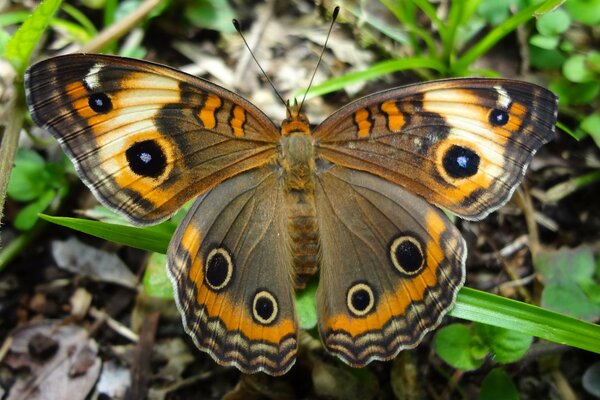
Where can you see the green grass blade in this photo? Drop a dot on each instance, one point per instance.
(490, 309)
(373, 72)
(151, 238)
(494, 36)
(21, 45)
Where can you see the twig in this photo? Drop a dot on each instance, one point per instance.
(140, 368)
(114, 324)
(120, 28)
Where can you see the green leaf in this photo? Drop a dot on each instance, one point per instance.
(505, 345)
(25, 182)
(584, 11)
(554, 23)
(565, 272)
(591, 125)
(148, 238)
(575, 93)
(498, 311)
(458, 346)
(576, 70)
(19, 48)
(306, 305)
(544, 42)
(156, 282)
(29, 214)
(211, 14)
(375, 71)
(497, 385)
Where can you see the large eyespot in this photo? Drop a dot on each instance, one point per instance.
(100, 103)
(218, 269)
(407, 254)
(146, 158)
(460, 162)
(498, 117)
(264, 307)
(360, 299)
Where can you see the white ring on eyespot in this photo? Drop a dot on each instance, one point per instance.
(271, 298)
(225, 254)
(397, 242)
(368, 308)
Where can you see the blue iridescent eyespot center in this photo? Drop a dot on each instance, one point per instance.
(100, 103)
(460, 162)
(146, 158)
(498, 117)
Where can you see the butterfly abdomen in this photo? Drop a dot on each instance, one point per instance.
(298, 164)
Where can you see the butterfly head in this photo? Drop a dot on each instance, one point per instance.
(295, 120)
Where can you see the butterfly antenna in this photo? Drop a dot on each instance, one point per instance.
(333, 18)
(238, 28)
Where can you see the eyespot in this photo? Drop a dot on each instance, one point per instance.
(146, 158)
(100, 103)
(264, 307)
(498, 117)
(360, 299)
(460, 162)
(218, 269)
(407, 254)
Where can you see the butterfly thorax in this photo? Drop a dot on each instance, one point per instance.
(297, 160)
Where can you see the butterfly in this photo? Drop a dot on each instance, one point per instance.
(356, 198)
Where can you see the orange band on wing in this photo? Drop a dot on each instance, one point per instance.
(393, 305)
(363, 121)
(395, 118)
(208, 111)
(238, 119)
(233, 316)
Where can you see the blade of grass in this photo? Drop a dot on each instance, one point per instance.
(373, 72)
(151, 238)
(490, 309)
(493, 37)
(81, 18)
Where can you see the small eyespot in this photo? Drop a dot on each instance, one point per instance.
(264, 308)
(498, 117)
(146, 158)
(460, 162)
(218, 269)
(100, 103)
(407, 254)
(360, 299)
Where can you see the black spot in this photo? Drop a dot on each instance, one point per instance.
(498, 117)
(409, 256)
(100, 103)
(361, 299)
(146, 158)
(218, 270)
(460, 162)
(264, 308)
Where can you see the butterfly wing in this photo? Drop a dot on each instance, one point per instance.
(391, 265)
(144, 137)
(463, 144)
(231, 268)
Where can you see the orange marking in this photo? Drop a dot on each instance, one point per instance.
(517, 113)
(408, 291)
(362, 120)
(79, 96)
(238, 119)
(294, 126)
(208, 112)
(395, 119)
(233, 316)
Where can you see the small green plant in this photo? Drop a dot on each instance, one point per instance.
(37, 183)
